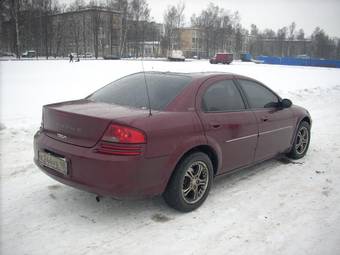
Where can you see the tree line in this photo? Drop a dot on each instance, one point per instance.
(29, 24)
(221, 30)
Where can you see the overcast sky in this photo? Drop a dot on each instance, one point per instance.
(273, 14)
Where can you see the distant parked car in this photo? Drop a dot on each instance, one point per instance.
(86, 55)
(7, 54)
(29, 54)
(176, 55)
(111, 57)
(127, 56)
(224, 58)
(114, 142)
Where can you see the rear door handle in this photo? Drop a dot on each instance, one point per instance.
(265, 118)
(215, 126)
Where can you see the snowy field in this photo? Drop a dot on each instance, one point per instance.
(277, 207)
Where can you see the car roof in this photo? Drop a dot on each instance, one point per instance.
(194, 75)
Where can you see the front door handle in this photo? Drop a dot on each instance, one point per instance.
(265, 118)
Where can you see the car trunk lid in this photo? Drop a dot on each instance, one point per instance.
(83, 122)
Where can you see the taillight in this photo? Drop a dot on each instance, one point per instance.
(120, 150)
(123, 134)
(121, 140)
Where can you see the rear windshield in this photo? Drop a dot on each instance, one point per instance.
(131, 90)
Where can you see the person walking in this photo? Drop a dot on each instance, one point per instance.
(71, 57)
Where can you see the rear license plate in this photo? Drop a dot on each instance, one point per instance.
(58, 164)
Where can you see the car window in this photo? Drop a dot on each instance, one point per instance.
(258, 96)
(222, 96)
(131, 91)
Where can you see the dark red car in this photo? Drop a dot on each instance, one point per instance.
(224, 58)
(201, 125)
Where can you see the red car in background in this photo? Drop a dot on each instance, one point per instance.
(224, 58)
(126, 143)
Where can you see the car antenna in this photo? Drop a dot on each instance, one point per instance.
(146, 88)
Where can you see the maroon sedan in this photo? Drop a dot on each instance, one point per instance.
(167, 133)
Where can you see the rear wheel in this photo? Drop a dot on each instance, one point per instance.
(190, 184)
(301, 142)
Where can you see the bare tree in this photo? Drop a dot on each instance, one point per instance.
(15, 8)
(281, 37)
(238, 39)
(219, 29)
(77, 26)
(291, 37)
(338, 50)
(291, 29)
(300, 34)
(46, 24)
(170, 23)
(207, 21)
(225, 31)
(322, 45)
(173, 20)
(123, 6)
(140, 13)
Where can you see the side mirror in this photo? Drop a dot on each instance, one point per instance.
(286, 103)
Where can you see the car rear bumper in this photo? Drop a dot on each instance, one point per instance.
(121, 177)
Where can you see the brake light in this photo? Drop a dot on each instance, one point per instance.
(123, 134)
(112, 149)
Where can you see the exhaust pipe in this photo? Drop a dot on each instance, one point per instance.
(98, 197)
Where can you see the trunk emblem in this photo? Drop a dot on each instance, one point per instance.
(61, 136)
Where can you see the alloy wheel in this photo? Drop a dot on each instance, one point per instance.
(195, 182)
(302, 140)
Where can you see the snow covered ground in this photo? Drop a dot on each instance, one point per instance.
(277, 207)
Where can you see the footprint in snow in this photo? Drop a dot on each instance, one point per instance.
(54, 187)
(158, 217)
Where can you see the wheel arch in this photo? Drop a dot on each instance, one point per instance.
(302, 119)
(207, 149)
(307, 119)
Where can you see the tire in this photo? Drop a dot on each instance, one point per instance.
(187, 189)
(301, 141)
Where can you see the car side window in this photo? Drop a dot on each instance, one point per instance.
(258, 96)
(222, 96)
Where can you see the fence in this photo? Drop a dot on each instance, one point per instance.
(299, 61)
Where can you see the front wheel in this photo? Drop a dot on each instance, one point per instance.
(301, 142)
(190, 184)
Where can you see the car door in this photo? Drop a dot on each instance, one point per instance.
(276, 124)
(228, 125)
